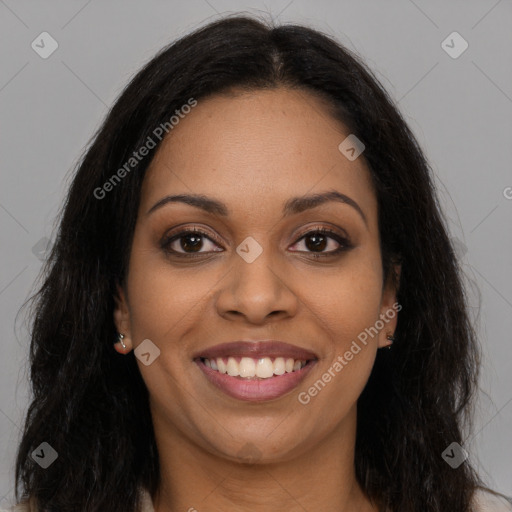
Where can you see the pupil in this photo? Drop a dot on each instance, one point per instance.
(319, 244)
(194, 246)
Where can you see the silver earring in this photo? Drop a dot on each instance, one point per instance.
(120, 338)
(390, 338)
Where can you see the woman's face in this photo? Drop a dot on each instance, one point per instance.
(259, 270)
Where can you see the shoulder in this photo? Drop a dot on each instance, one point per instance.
(146, 503)
(486, 501)
(20, 507)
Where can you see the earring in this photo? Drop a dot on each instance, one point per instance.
(120, 338)
(391, 339)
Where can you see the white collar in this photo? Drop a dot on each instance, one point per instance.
(146, 501)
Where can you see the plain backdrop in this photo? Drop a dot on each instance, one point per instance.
(459, 108)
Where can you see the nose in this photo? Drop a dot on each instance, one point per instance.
(257, 290)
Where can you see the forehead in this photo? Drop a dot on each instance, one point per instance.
(255, 148)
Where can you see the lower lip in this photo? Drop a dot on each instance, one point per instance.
(255, 390)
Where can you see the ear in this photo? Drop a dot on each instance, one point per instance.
(122, 321)
(389, 306)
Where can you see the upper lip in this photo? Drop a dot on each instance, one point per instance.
(256, 350)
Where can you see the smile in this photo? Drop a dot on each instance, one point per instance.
(255, 371)
(248, 367)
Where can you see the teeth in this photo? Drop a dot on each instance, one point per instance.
(248, 367)
(232, 367)
(264, 368)
(221, 365)
(279, 366)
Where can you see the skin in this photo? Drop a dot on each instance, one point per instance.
(253, 151)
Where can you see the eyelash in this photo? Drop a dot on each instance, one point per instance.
(168, 240)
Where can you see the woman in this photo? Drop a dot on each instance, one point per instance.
(255, 230)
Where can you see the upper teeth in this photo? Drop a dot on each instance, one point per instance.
(248, 367)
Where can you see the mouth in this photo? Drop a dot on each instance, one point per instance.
(255, 371)
(249, 368)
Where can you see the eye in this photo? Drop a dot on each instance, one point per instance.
(317, 240)
(187, 243)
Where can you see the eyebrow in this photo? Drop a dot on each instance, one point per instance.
(292, 206)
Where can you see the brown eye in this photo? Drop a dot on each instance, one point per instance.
(318, 240)
(188, 242)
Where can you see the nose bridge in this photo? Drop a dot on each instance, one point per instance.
(255, 265)
(255, 287)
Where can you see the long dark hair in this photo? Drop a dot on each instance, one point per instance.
(91, 405)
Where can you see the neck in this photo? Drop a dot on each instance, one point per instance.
(319, 478)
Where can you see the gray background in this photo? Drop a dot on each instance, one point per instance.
(460, 110)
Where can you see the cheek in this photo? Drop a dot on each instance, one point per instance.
(347, 310)
(346, 301)
(164, 301)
